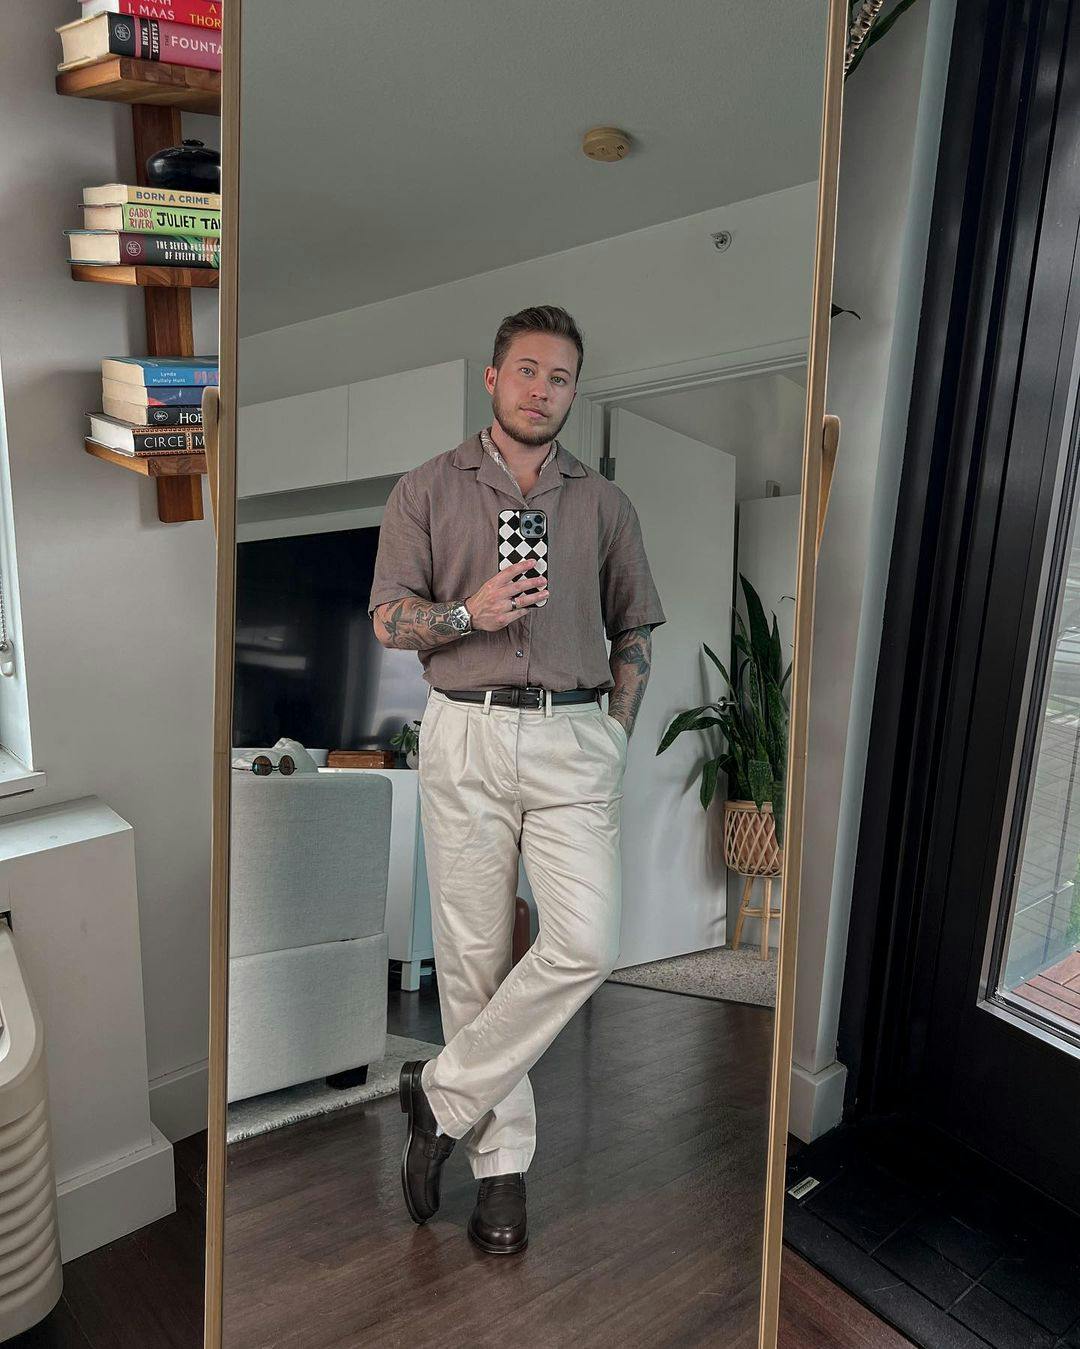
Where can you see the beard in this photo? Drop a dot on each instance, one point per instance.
(518, 427)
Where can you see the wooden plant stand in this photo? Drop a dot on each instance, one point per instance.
(751, 850)
(157, 93)
(764, 911)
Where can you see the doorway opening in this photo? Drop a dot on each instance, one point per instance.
(713, 462)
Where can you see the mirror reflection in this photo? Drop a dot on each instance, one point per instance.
(524, 305)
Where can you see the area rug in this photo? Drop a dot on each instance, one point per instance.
(277, 1109)
(731, 976)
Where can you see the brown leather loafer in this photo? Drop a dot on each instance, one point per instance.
(425, 1151)
(498, 1223)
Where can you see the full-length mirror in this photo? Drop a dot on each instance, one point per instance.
(523, 306)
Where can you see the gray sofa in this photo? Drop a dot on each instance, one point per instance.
(309, 858)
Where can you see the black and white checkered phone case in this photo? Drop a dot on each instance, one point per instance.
(514, 548)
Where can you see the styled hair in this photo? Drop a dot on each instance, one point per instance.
(540, 318)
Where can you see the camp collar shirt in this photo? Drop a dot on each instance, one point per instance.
(439, 541)
(493, 450)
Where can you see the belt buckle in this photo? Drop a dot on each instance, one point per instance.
(532, 689)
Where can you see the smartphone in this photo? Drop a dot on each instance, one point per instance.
(523, 538)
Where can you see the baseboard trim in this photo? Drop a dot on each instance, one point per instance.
(178, 1101)
(109, 1202)
(817, 1100)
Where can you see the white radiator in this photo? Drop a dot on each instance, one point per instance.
(30, 1275)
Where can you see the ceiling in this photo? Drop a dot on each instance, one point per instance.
(389, 147)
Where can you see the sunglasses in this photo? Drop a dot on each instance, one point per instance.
(262, 766)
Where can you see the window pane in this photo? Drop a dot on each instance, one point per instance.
(1041, 961)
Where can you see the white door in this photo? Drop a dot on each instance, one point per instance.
(674, 880)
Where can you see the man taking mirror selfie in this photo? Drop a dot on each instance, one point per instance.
(504, 563)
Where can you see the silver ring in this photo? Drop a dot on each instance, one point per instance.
(513, 601)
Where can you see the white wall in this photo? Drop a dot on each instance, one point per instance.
(756, 418)
(892, 117)
(14, 710)
(652, 297)
(117, 609)
(78, 950)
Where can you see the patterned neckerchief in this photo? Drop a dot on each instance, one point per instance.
(493, 450)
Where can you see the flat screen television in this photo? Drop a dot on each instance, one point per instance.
(308, 665)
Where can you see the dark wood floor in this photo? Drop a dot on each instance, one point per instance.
(644, 1206)
(144, 1291)
(645, 1203)
(816, 1314)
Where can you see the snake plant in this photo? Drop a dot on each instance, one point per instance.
(751, 715)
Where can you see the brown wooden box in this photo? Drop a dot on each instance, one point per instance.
(361, 758)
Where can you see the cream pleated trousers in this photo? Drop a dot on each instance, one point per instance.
(496, 783)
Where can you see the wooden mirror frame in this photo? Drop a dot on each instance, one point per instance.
(820, 439)
(221, 469)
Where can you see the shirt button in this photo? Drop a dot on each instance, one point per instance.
(519, 653)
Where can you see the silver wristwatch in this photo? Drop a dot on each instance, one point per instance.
(460, 618)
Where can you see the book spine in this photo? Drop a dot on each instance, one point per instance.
(174, 416)
(144, 219)
(157, 40)
(177, 395)
(156, 396)
(168, 196)
(171, 442)
(172, 196)
(124, 36)
(168, 250)
(187, 46)
(161, 377)
(197, 13)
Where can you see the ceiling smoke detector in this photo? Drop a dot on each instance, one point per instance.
(606, 144)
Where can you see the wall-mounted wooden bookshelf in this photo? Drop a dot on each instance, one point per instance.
(121, 79)
(158, 93)
(184, 278)
(180, 475)
(150, 465)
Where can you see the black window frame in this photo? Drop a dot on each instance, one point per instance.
(967, 575)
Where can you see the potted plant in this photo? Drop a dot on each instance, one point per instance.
(752, 718)
(407, 742)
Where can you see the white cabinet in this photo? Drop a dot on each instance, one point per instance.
(400, 420)
(375, 428)
(293, 442)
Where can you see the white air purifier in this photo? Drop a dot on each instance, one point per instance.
(31, 1280)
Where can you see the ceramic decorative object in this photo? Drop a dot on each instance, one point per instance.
(190, 167)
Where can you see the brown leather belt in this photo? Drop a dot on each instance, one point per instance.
(528, 695)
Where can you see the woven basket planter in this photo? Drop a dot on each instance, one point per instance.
(750, 845)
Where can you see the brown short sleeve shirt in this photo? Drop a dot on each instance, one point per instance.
(439, 541)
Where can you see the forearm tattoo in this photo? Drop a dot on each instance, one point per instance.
(630, 662)
(414, 625)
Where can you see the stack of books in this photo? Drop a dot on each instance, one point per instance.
(147, 227)
(182, 32)
(152, 406)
